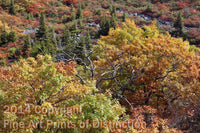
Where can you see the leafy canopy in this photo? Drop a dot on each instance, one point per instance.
(147, 65)
(42, 82)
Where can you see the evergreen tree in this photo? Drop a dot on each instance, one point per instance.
(42, 31)
(113, 22)
(4, 35)
(52, 35)
(79, 13)
(88, 40)
(80, 49)
(104, 26)
(80, 23)
(124, 17)
(113, 17)
(113, 11)
(69, 38)
(12, 37)
(36, 48)
(149, 9)
(73, 16)
(73, 44)
(74, 28)
(27, 44)
(98, 12)
(43, 49)
(179, 26)
(12, 10)
(66, 37)
(68, 41)
(3, 4)
(45, 40)
(49, 46)
(30, 16)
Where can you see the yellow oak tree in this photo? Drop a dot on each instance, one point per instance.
(149, 68)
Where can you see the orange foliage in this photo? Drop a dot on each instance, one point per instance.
(85, 13)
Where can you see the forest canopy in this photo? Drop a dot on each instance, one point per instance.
(99, 66)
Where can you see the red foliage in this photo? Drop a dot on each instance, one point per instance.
(36, 23)
(165, 17)
(161, 6)
(192, 23)
(194, 33)
(14, 44)
(36, 7)
(181, 4)
(3, 49)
